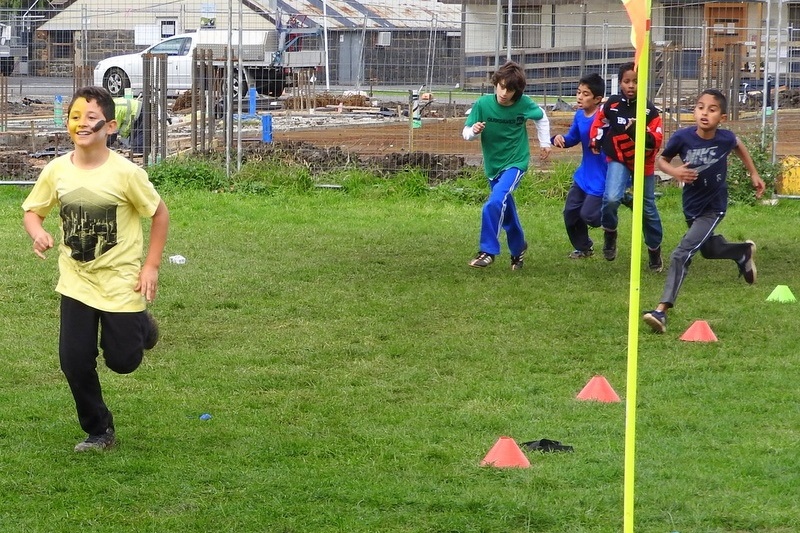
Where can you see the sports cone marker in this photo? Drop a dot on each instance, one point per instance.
(781, 294)
(598, 389)
(700, 331)
(506, 454)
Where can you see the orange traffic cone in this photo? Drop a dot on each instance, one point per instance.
(598, 389)
(506, 454)
(700, 331)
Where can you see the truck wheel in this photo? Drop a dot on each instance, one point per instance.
(237, 91)
(116, 81)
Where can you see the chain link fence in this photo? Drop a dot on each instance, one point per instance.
(391, 85)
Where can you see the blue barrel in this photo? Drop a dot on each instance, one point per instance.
(266, 128)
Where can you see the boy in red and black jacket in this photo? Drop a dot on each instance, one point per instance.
(614, 130)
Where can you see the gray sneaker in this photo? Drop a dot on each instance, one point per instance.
(581, 254)
(627, 200)
(101, 442)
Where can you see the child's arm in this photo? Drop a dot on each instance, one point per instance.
(471, 132)
(572, 137)
(543, 134)
(42, 240)
(655, 133)
(148, 277)
(681, 174)
(741, 150)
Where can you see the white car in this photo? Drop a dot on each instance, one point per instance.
(121, 72)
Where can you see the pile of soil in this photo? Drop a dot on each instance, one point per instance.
(437, 167)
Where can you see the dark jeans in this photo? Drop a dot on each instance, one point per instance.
(122, 338)
(581, 211)
(618, 178)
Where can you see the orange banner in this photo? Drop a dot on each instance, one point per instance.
(640, 23)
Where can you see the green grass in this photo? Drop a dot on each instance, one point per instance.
(357, 371)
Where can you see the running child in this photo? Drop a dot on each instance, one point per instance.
(101, 198)
(703, 150)
(499, 120)
(585, 196)
(614, 129)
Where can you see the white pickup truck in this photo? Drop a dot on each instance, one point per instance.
(267, 58)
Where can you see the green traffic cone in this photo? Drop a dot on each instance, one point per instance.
(782, 294)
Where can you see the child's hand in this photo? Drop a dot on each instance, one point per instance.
(148, 283)
(759, 184)
(684, 174)
(42, 242)
(558, 141)
(478, 127)
(544, 153)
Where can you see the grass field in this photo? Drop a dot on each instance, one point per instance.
(357, 371)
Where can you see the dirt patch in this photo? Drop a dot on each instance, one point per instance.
(379, 138)
(438, 167)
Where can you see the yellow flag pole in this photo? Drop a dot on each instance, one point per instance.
(635, 277)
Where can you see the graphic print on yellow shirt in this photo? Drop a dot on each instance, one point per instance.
(90, 224)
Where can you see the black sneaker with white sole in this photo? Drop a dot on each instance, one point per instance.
(747, 267)
(581, 254)
(518, 260)
(481, 260)
(655, 263)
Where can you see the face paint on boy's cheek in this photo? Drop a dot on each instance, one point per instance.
(72, 125)
(79, 107)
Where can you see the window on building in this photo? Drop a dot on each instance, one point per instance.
(452, 45)
(168, 28)
(794, 21)
(684, 25)
(526, 26)
(61, 44)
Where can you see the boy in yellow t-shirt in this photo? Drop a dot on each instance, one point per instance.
(103, 284)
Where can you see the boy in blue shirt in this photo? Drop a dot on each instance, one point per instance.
(585, 197)
(704, 150)
(499, 119)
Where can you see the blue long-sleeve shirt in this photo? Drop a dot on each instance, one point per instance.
(590, 175)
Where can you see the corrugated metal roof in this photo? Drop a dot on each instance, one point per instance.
(342, 14)
(123, 14)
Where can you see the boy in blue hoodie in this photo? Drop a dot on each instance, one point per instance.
(585, 197)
